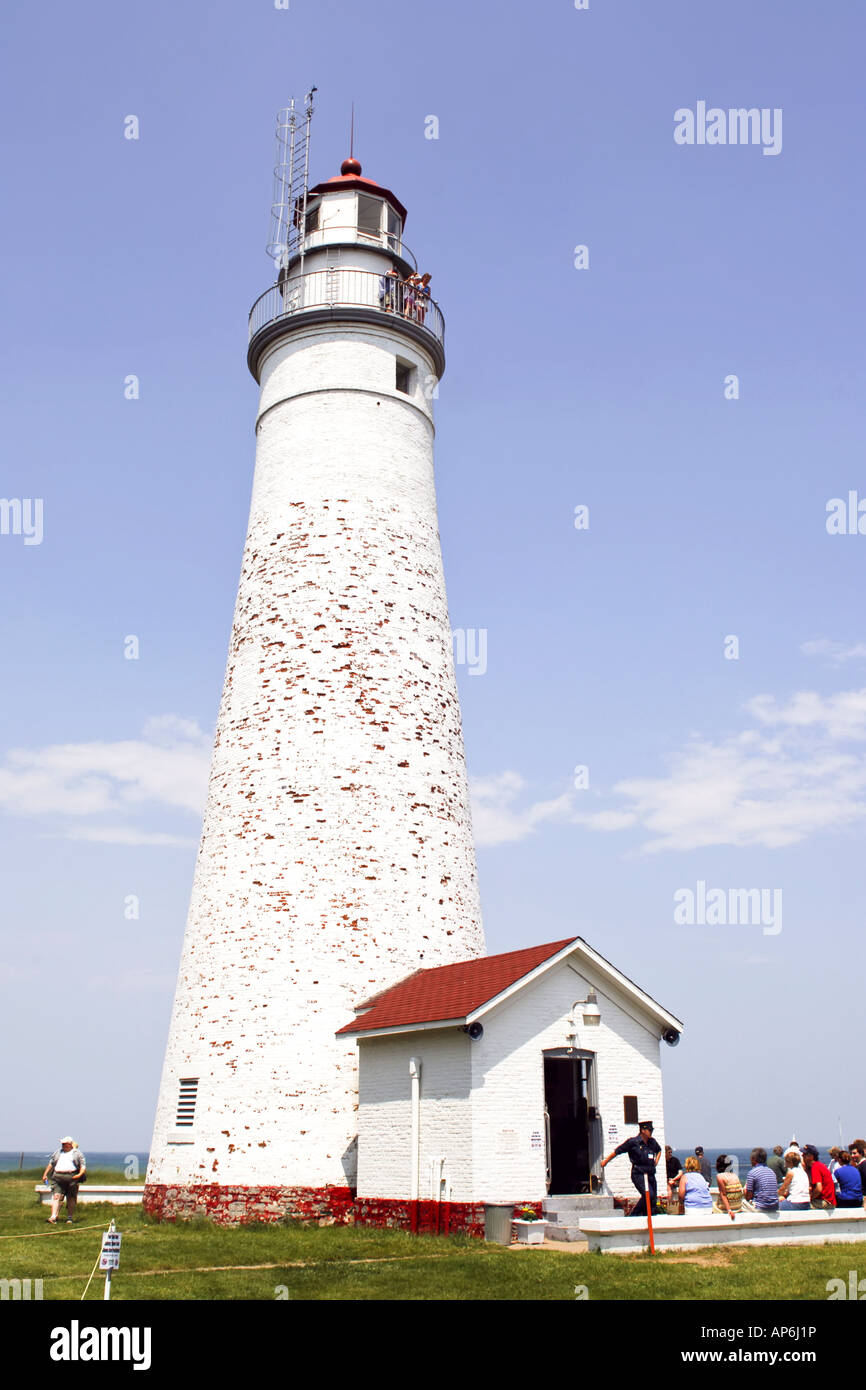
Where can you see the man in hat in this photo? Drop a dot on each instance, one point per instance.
(644, 1153)
(64, 1171)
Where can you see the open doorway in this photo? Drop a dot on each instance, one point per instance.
(570, 1117)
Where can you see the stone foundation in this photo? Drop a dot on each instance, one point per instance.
(233, 1206)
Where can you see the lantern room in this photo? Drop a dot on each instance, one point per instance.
(350, 210)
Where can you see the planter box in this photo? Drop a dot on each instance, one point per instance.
(530, 1232)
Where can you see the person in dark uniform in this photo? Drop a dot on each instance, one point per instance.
(644, 1153)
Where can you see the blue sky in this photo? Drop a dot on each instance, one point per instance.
(602, 386)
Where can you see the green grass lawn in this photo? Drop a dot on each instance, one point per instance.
(164, 1261)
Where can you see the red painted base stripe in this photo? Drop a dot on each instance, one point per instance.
(329, 1206)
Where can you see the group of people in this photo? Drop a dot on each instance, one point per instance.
(409, 297)
(796, 1180)
(791, 1179)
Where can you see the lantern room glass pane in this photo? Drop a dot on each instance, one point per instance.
(369, 215)
(395, 227)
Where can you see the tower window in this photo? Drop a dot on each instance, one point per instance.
(405, 381)
(186, 1099)
(369, 215)
(312, 222)
(629, 1110)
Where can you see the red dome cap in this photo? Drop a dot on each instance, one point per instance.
(350, 166)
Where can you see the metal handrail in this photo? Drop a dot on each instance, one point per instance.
(381, 241)
(340, 287)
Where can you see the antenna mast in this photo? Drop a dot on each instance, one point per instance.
(291, 182)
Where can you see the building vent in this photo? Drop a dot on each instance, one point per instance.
(186, 1100)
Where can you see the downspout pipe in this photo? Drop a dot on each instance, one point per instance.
(415, 1138)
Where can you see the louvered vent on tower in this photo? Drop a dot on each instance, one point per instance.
(187, 1096)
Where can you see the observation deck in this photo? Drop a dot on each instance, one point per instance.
(354, 296)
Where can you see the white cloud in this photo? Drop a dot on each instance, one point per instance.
(797, 772)
(774, 785)
(836, 651)
(495, 818)
(166, 767)
(127, 835)
(841, 716)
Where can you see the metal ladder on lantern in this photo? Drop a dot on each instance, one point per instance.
(289, 204)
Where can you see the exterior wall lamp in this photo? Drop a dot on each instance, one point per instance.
(591, 1015)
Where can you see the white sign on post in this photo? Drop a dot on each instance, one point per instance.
(110, 1256)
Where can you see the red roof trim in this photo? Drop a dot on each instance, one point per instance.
(449, 992)
(364, 185)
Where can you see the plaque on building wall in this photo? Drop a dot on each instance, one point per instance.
(506, 1141)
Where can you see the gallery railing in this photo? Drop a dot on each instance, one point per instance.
(339, 287)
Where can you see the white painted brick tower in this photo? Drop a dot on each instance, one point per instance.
(336, 854)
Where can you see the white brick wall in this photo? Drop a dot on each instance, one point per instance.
(476, 1095)
(336, 853)
(384, 1158)
(508, 1079)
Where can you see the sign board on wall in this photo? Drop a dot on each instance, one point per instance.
(506, 1142)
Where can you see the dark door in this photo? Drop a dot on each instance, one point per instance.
(565, 1094)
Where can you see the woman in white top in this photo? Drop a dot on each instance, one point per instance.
(65, 1170)
(795, 1193)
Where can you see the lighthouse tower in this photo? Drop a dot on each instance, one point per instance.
(336, 854)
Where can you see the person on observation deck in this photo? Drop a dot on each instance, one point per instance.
(422, 298)
(410, 290)
(389, 290)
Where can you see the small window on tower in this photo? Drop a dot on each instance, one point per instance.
(369, 215)
(405, 377)
(312, 222)
(629, 1109)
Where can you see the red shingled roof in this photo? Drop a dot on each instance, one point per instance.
(451, 991)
